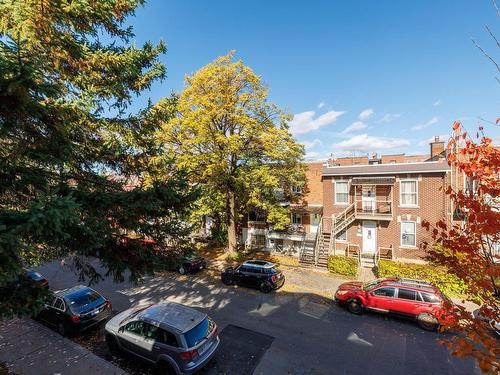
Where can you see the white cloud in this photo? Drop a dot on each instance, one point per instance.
(312, 144)
(432, 121)
(321, 105)
(365, 142)
(425, 142)
(437, 102)
(358, 125)
(366, 114)
(312, 155)
(305, 122)
(389, 117)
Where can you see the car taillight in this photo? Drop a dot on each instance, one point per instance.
(187, 356)
(108, 304)
(75, 318)
(273, 278)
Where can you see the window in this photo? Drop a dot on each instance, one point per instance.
(135, 327)
(342, 236)
(166, 337)
(256, 216)
(296, 218)
(429, 298)
(407, 294)
(197, 334)
(296, 189)
(408, 237)
(409, 193)
(59, 304)
(341, 192)
(470, 185)
(385, 292)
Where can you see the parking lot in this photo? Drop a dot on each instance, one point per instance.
(284, 332)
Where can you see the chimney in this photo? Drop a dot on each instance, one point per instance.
(437, 148)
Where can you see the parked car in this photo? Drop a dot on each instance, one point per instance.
(35, 276)
(174, 337)
(255, 274)
(191, 262)
(415, 299)
(76, 309)
(494, 325)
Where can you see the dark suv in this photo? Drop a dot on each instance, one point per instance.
(255, 274)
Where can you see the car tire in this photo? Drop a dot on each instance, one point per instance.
(182, 270)
(165, 368)
(265, 287)
(427, 322)
(113, 347)
(355, 306)
(227, 281)
(61, 329)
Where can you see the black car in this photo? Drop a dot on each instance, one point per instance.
(191, 262)
(255, 274)
(76, 309)
(35, 276)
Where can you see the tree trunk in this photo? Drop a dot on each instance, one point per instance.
(231, 228)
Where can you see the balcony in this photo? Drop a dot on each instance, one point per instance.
(373, 209)
(292, 231)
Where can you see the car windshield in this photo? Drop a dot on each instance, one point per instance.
(197, 334)
(82, 299)
(370, 285)
(34, 275)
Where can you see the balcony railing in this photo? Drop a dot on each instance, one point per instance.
(291, 229)
(375, 208)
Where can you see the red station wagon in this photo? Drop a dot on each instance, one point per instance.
(415, 299)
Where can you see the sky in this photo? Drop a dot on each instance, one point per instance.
(357, 76)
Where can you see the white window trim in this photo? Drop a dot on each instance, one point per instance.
(342, 241)
(335, 182)
(296, 189)
(401, 193)
(291, 218)
(401, 234)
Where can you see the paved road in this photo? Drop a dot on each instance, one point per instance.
(306, 335)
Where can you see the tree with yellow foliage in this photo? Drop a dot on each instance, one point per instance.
(234, 143)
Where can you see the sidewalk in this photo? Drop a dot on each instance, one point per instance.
(29, 348)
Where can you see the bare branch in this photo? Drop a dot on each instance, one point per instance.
(493, 36)
(485, 54)
(496, 7)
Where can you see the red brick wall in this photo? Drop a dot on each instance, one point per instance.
(313, 191)
(431, 207)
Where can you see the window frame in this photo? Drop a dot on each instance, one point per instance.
(339, 203)
(341, 239)
(296, 189)
(57, 308)
(414, 234)
(406, 299)
(384, 287)
(295, 214)
(401, 204)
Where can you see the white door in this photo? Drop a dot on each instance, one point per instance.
(314, 220)
(368, 199)
(369, 236)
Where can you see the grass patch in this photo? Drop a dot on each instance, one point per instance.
(342, 265)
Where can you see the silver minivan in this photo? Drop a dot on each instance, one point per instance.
(174, 337)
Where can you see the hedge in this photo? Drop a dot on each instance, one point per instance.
(437, 275)
(343, 265)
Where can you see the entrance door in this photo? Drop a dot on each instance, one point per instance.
(368, 198)
(369, 236)
(315, 218)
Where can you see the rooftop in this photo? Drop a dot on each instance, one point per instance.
(259, 263)
(384, 169)
(173, 316)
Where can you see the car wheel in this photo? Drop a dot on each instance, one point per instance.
(113, 347)
(227, 281)
(182, 270)
(427, 322)
(165, 368)
(265, 287)
(61, 329)
(354, 306)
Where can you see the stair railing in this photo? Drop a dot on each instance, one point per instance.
(319, 237)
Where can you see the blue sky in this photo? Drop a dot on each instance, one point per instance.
(359, 76)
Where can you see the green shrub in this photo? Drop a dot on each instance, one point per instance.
(343, 265)
(448, 283)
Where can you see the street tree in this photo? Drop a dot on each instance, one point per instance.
(235, 144)
(470, 247)
(74, 161)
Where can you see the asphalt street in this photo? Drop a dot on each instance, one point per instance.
(305, 334)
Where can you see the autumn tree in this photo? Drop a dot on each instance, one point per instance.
(74, 162)
(234, 143)
(470, 247)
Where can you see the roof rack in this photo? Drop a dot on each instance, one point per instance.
(415, 282)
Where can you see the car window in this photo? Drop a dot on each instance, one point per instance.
(135, 327)
(385, 292)
(79, 301)
(431, 298)
(197, 334)
(59, 304)
(166, 337)
(407, 294)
